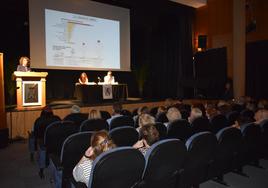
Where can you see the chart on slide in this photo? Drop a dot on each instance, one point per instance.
(74, 40)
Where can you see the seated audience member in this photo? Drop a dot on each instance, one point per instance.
(83, 80)
(241, 121)
(173, 114)
(260, 115)
(109, 78)
(149, 135)
(100, 142)
(94, 114)
(211, 111)
(141, 110)
(145, 119)
(263, 104)
(117, 108)
(24, 65)
(41, 123)
(169, 102)
(75, 109)
(195, 113)
(160, 110)
(201, 107)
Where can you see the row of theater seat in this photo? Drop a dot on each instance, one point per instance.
(208, 155)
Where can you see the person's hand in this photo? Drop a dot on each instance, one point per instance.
(138, 144)
(89, 152)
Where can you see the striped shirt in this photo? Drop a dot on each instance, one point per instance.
(81, 171)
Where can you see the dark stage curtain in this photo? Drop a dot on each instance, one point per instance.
(256, 69)
(162, 38)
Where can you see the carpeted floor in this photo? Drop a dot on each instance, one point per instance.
(16, 170)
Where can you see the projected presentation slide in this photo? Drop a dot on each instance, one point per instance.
(74, 40)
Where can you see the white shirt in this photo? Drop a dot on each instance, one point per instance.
(109, 79)
(81, 171)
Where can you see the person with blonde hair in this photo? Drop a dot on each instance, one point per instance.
(195, 113)
(100, 142)
(94, 114)
(145, 119)
(173, 114)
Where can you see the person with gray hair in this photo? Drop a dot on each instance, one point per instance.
(75, 109)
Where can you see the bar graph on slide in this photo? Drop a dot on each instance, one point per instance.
(81, 41)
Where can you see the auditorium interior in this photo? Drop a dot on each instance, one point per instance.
(186, 106)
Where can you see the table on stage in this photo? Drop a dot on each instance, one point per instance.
(90, 94)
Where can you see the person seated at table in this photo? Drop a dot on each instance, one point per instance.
(109, 78)
(83, 80)
(24, 65)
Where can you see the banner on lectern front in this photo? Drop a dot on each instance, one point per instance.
(107, 92)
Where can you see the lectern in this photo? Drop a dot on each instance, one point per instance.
(31, 89)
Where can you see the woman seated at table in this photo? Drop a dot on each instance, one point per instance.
(83, 80)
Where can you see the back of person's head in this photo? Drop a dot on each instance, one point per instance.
(94, 114)
(46, 111)
(117, 107)
(101, 142)
(169, 102)
(211, 111)
(149, 133)
(75, 109)
(173, 114)
(145, 119)
(143, 110)
(261, 114)
(195, 113)
(242, 120)
(161, 109)
(201, 107)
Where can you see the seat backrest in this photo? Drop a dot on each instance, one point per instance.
(72, 150)
(161, 118)
(77, 118)
(232, 117)
(119, 167)
(229, 142)
(264, 128)
(121, 121)
(162, 130)
(252, 136)
(124, 136)
(105, 115)
(42, 123)
(218, 122)
(200, 124)
(201, 149)
(164, 160)
(94, 125)
(179, 129)
(55, 135)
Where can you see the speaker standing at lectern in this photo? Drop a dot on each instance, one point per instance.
(24, 65)
(109, 78)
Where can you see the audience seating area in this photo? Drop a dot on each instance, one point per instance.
(186, 155)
